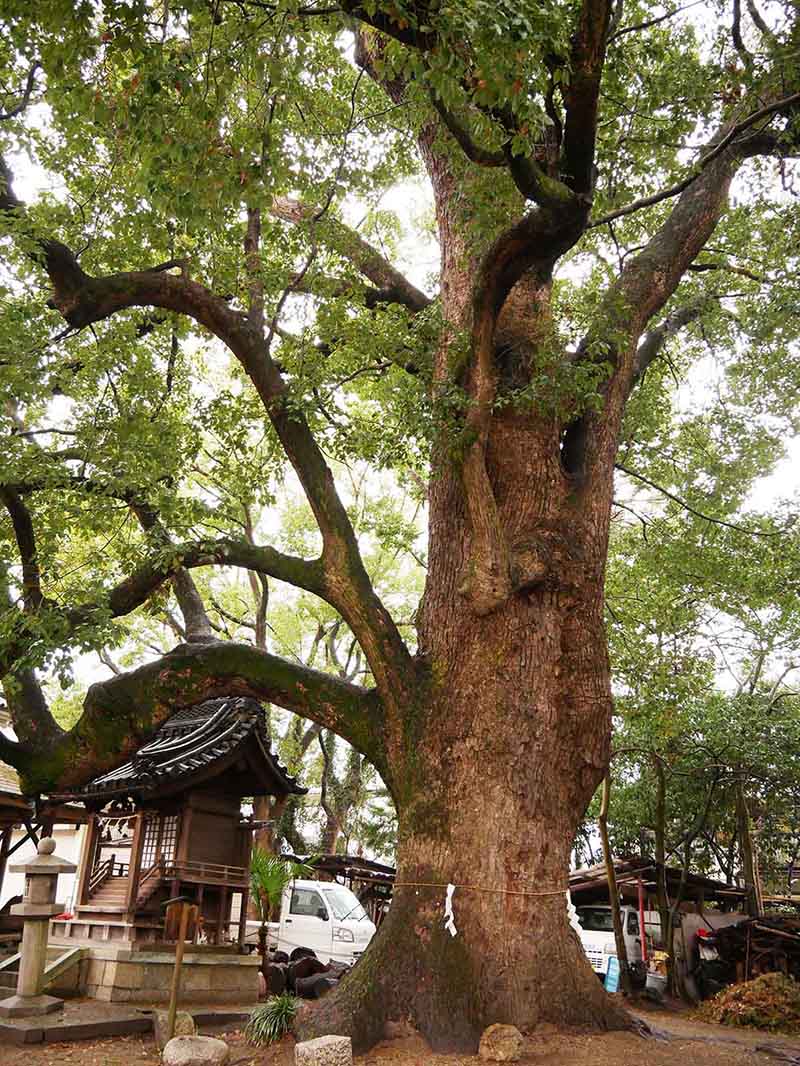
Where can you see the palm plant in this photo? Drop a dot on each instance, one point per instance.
(269, 876)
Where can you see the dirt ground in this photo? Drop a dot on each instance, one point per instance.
(677, 1039)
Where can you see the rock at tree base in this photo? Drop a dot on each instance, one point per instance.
(184, 1026)
(399, 1030)
(501, 1043)
(302, 953)
(195, 1051)
(275, 975)
(324, 1051)
(314, 987)
(303, 968)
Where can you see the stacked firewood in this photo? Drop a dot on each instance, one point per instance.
(301, 973)
(760, 945)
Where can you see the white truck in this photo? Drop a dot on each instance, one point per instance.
(320, 915)
(597, 934)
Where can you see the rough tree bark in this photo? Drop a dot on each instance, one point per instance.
(494, 736)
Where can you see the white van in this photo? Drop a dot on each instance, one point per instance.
(323, 916)
(597, 933)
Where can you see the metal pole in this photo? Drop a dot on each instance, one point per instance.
(642, 933)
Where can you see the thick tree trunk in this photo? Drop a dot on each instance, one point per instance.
(497, 820)
(493, 771)
(491, 779)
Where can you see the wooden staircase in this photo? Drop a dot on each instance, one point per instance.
(108, 887)
(111, 895)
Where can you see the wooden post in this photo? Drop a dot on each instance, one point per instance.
(747, 851)
(197, 924)
(87, 859)
(642, 932)
(243, 918)
(613, 891)
(187, 911)
(5, 844)
(135, 866)
(223, 913)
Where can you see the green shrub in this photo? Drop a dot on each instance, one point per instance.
(270, 1020)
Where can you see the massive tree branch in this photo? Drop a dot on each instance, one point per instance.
(26, 701)
(25, 96)
(82, 299)
(396, 25)
(532, 245)
(26, 543)
(195, 617)
(655, 339)
(138, 586)
(716, 149)
(484, 157)
(582, 94)
(649, 279)
(350, 244)
(119, 714)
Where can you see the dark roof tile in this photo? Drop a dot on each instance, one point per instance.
(190, 740)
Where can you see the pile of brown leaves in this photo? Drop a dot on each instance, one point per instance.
(771, 1001)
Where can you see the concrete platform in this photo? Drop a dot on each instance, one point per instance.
(88, 1019)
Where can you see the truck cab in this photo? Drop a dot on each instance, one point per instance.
(325, 917)
(597, 934)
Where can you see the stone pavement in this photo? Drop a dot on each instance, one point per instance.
(88, 1019)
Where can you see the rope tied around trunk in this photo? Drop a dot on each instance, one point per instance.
(478, 888)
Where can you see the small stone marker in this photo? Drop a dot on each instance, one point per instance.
(324, 1051)
(501, 1043)
(184, 1026)
(195, 1051)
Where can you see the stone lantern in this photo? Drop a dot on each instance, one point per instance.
(37, 908)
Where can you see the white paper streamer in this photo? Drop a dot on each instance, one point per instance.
(449, 921)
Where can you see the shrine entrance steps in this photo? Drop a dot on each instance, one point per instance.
(111, 895)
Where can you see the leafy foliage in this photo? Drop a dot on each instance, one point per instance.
(771, 1002)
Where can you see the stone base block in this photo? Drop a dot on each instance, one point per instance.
(501, 1043)
(195, 1051)
(324, 1051)
(184, 1026)
(29, 1006)
(119, 975)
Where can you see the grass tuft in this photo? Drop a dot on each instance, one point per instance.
(269, 1021)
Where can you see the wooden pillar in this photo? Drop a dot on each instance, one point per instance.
(243, 919)
(87, 859)
(222, 920)
(197, 925)
(5, 844)
(135, 865)
(182, 844)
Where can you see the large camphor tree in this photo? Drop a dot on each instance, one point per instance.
(213, 169)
